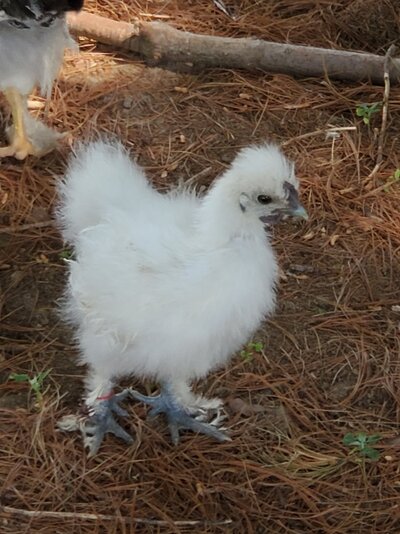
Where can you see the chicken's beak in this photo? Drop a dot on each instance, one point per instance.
(299, 211)
(294, 206)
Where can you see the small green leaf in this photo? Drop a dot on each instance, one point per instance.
(367, 110)
(370, 453)
(65, 254)
(246, 355)
(19, 377)
(37, 381)
(362, 439)
(256, 347)
(371, 440)
(361, 443)
(350, 440)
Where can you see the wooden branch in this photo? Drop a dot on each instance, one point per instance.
(159, 44)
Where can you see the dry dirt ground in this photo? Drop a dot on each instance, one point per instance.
(330, 358)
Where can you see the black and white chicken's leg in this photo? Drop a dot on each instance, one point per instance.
(185, 411)
(20, 145)
(27, 136)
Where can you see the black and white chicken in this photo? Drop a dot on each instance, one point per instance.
(167, 286)
(33, 36)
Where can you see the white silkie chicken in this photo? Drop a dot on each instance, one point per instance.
(33, 36)
(168, 286)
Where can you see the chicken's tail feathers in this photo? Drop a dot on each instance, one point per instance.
(100, 175)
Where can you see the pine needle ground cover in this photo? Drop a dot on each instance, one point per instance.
(313, 400)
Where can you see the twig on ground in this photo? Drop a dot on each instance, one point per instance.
(327, 131)
(196, 178)
(385, 108)
(40, 514)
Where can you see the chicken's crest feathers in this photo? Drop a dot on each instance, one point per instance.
(259, 187)
(260, 168)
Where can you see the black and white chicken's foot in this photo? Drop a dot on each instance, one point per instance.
(101, 421)
(30, 137)
(181, 417)
(22, 146)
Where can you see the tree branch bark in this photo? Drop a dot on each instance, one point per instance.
(159, 44)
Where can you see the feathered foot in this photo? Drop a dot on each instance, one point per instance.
(181, 417)
(99, 422)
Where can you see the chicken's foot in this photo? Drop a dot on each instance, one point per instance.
(25, 130)
(180, 417)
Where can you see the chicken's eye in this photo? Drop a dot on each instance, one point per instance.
(264, 199)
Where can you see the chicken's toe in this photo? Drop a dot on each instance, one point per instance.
(101, 421)
(7, 151)
(97, 426)
(180, 417)
(20, 148)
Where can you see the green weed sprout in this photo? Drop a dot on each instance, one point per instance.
(65, 254)
(366, 111)
(35, 383)
(393, 179)
(252, 347)
(363, 444)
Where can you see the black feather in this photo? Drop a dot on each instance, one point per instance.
(62, 5)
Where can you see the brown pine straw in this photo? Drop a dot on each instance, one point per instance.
(330, 362)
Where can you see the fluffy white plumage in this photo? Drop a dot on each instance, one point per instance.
(169, 286)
